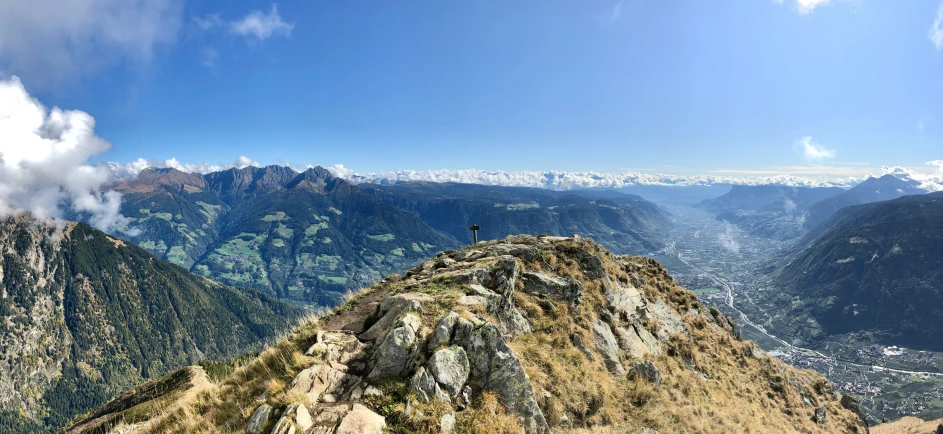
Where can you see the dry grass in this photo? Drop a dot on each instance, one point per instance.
(728, 391)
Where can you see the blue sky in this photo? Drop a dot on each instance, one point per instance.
(688, 86)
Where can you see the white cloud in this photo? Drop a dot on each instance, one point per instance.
(922, 123)
(936, 30)
(242, 162)
(807, 6)
(262, 26)
(50, 41)
(44, 161)
(208, 22)
(930, 179)
(811, 151)
(555, 180)
(128, 171)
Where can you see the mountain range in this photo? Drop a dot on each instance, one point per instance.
(786, 213)
(522, 335)
(875, 269)
(310, 236)
(85, 316)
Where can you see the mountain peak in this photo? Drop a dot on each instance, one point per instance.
(493, 337)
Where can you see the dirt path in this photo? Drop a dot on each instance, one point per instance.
(353, 319)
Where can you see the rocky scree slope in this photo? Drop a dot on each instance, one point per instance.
(84, 316)
(526, 334)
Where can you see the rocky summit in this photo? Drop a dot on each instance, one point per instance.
(526, 334)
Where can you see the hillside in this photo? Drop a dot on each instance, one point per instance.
(309, 237)
(873, 269)
(870, 190)
(84, 316)
(769, 211)
(524, 334)
(305, 236)
(624, 223)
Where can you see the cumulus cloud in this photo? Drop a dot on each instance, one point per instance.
(806, 6)
(811, 151)
(930, 178)
(53, 40)
(936, 30)
(44, 166)
(128, 171)
(262, 26)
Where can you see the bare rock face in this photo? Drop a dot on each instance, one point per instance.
(606, 345)
(565, 288)
(450, 368)
(395, 353)
(361, 420)
(495, 367)
(259, 418)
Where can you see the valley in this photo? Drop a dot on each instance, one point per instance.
(732, 269)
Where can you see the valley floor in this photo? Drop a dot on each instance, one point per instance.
(724, 266)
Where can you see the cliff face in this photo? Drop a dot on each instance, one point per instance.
(84, 316)
(521, 335)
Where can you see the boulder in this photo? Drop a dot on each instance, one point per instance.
(361, 420)
(397, 350)
(821, 415)
(637, 341)
(850, 403)
(321, 380)
(450, 368)
(442, 334)
(259, 418)
(494, 367)
(564, 288)
(424, 385)
(577, 341)
(607, 347)
(669, 322)
(626, 301)
(647, 371)
(391, 309)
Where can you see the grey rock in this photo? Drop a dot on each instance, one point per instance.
(567, 289)
(450, 368)
(425, 387)
(850, 403)
(442, 334)
(397, 350)
(259, 418)
(821, 415)
(607, 347)
(669, 321)
(285, 424)
(466, 396)
(577, 340)
(647, 371)
(494, 367)
(626, 301)
(391, 309)
(361, 420)
(645, 431)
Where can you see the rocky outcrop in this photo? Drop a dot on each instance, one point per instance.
(534, 335)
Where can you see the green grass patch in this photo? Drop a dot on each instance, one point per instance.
(382, 237)
(313, 229)
(277, 217)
